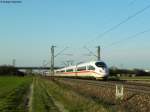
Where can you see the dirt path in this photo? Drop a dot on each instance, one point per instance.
(56, 103)
(31, 97)
(41, 100)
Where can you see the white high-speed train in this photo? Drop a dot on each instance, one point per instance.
(94, 69)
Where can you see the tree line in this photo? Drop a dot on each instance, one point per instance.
(7, 70)
(127, 72)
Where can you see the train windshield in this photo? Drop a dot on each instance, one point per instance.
(100, 64)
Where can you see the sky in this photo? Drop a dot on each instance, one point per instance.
(29, 29)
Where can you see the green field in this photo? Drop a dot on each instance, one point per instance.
(14, 93)
(38, 94)
(54, 97)
(138, 78)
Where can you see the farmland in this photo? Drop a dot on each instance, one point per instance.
(37, 94)
(14, 93)
(54, 97)
(42, 94)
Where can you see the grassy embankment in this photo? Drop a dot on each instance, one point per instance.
(14, 93)
(49, 96)
(41, 100)
(138, 78)
(45, 96)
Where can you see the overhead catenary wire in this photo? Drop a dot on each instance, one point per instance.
(90, 51)
(122, 22)
(46, 64)
(128, 38)
(61, 51)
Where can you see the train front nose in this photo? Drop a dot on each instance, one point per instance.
(104, 72)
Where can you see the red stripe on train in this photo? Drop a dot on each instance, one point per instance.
(83, 72)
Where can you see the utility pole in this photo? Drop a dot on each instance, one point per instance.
(14, 62)
(52, 60)
(98, 53)
(53, 55)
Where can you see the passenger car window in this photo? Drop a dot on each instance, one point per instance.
(69, 70)
(81, 68)
(91, 68)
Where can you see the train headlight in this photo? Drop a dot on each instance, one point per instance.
(100, 71)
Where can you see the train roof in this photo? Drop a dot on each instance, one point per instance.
(81, 64)
(87, 63)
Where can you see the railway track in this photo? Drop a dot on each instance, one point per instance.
(128, 86)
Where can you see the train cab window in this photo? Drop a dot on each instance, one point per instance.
(91, 68)
(100, 64)
(58, 71)
(81, 68)
(62, 71)
(69, 70)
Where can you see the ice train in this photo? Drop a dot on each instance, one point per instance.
(93, 69)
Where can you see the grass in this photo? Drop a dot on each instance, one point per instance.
(71, 101)
(93, 93)
(36, 94)
(13, 93)
(42, 101)
(106, 96)
(138, 78)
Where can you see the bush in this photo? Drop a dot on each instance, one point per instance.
(126, 72)
(10, 70)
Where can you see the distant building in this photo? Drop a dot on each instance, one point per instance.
(147, 70)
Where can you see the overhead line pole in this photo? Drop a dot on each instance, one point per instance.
(98, 53)
(14, 62)
(52, 60)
